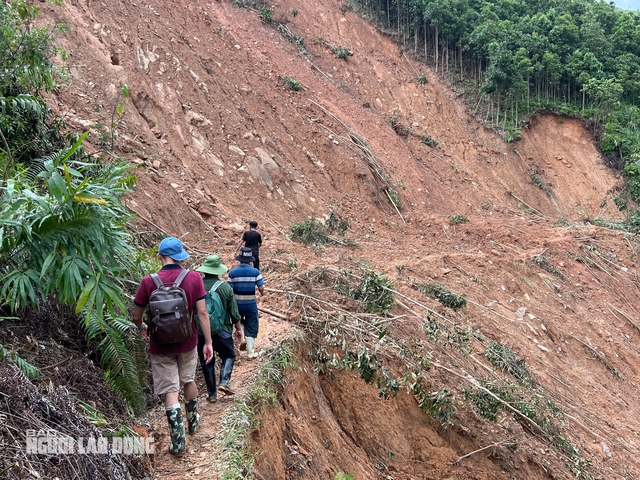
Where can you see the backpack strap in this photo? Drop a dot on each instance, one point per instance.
(156, 280)
(183, 274)
(215, 286)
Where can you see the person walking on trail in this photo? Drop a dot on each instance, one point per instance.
(223, 340)
(173, 365)
(245, 279)
(253, 240)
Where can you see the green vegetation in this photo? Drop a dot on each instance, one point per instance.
(62, 221)
(371, 290)
(458, 219)
(444, 296)
(232, 444)
(312, 231)
(291, 83)
(342, 52)
(513, 59)
(422, 79)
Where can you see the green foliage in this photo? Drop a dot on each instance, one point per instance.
(294, 12)
(29, 370)
(444, 296)
(313, 231)
(422, 79)
(266, 14)
(439, 403)
(458, 219)
(537, 179)
(488, 406)
(504, 359)
(309, 232)
(577, 59)
(371, 290)
(343, 476)
(291, 83)
(342, 52)
(232, 443)
(427, 140)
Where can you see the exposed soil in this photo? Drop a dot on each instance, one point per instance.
(220, 140)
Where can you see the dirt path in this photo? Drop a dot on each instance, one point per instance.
(200, 461)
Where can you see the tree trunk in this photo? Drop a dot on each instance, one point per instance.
(436, 43)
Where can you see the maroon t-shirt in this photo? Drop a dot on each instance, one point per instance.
(193, 287)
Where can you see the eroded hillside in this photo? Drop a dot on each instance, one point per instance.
(220, 139)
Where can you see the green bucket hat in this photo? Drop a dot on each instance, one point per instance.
(213, 265)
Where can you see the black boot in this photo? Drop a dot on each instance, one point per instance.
(209, 373)
(193, 417)
(225, 376)
(176, 429)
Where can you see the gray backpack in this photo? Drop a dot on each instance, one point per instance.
(169, 318)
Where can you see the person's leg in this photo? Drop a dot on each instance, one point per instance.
(166, 381)
(227, 359)
(187, 370)
(251, 327)
(208, 371)
(256, 262)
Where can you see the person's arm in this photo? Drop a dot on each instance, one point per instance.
(138, 311)
(242, 240)
(239, 332)
(261, 290)
(203, 317)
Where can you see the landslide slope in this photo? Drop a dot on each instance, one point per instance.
(220, 139)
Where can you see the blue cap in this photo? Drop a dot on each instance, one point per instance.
(172, 247)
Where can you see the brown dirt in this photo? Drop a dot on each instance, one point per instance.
(219, 140)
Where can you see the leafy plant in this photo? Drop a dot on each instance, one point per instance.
(427, 140)
(444, 296)
(291, 83)
(504, 359)
(342, 52)
(343, 476)
(266, 14)
(372, 290)
(63, 238)
(294, 12)
(313, 231)
(422, 79)
(458, 219)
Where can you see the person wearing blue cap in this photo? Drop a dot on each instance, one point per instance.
(173, 365)
(245, 279)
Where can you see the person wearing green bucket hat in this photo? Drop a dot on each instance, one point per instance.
(223, 340)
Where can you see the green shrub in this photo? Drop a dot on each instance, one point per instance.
(457, 219)
(444, 296)
(422, 79)
(291, 83)
(342, 52)
(373, 291)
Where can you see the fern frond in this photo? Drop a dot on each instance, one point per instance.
(31, 371)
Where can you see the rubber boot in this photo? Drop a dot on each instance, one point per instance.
(225, 376)
(251, 341)
(193, 417)
(176, 428)
(209, 373)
